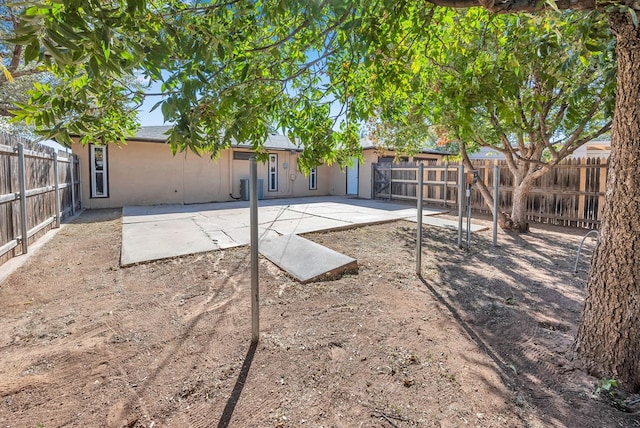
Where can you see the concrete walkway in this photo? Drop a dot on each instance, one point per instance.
(305, 260)
(164, 231)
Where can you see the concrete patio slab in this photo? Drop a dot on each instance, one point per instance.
(305, 260)
(162, 239)
(135, 214)
(158, 232)
(242, 235)
(222, 239)
(308, 224)
(224, 222)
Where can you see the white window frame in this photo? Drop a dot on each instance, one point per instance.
(313, 179)
(98, 175)
(273, 172)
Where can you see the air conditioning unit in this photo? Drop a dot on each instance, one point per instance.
(244, 189)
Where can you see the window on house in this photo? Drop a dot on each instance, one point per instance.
(242, 155)
(313, 179)
(98, 167)
(273, 173)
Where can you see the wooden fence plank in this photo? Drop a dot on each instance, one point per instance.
(571, 194)
(39, 166)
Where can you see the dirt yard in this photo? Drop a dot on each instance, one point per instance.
(483, 340)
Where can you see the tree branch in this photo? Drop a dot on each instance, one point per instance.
(568, 149)
(510, 6)
(576, 133)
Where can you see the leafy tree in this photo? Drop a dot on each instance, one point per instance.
(532, 88)
(402, 129)
(16, 77)
(231, 69)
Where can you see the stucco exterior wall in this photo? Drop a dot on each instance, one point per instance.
(147, 173)
(364, 178)
(138, 174)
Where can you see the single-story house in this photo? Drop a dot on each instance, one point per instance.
(145, 172)
(486, 153)
(591, 149)
(594, 149)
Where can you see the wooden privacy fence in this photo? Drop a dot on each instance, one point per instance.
(571, 194)
(38, 187)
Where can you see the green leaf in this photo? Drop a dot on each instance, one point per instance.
(59, 57)
(126, 55)
(553, 5)
(106, 51)
(60, 40)
(32, 51)
(584, 60)
(634, 16)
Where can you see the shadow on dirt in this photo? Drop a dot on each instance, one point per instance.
(227, 413)
(521, 304)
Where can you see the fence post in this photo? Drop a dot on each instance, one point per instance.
(603, 187)
(461, 193)
(22, 178)
(253, 215)
(80, 181)
(582, 186)
(446, 182)
(72, 167)
(56, 186)
(419, 226)
(373, 181)
(496, 197)
(390, 180)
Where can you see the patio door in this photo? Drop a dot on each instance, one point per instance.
(352, 178)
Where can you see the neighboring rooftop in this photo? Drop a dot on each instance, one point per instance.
(368, 144)
(486, 153)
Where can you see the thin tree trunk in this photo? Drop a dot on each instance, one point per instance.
(609, 332)
(484, 191)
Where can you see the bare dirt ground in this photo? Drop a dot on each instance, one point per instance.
(483, 339)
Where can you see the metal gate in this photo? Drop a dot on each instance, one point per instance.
(399, 181)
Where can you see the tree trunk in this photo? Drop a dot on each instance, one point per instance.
(518, 221)
(609, 333)
(482, 187)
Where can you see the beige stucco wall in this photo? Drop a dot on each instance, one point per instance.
(337, 180)
(142, 173)
(364, 178)
(291, 181)
(147, 173)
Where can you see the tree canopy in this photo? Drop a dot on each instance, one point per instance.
(228, 71)
(16, 77)
(534, 88)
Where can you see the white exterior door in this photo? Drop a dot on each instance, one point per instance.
(352, 178)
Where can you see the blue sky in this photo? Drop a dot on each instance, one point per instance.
(153, 118)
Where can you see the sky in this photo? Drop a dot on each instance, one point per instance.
(148, 118)
(145, 115)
